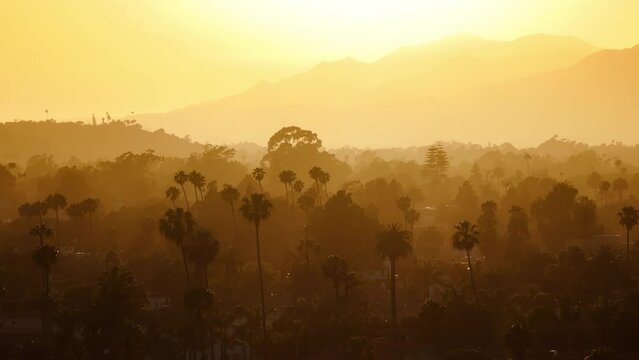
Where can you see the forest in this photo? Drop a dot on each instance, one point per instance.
(119, 243)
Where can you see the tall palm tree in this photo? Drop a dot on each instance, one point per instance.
(44, 257)
(316, 173)
(180, 178)
(42, 231)
(335, 268)
(198, 180)
(89, 206)
(412, 217)
(202, 252)
(323, 179)
(465, 237)
(298, 187)
(256, 208)
(603, 189)
(287, 177)
(231, 195)
(404, 204)
(56, 202)
(393, 243)
(178, 226)
(172, 193)
(628, 218)
(258, 174)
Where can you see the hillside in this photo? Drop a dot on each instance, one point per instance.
(421, 83)
(23, 139)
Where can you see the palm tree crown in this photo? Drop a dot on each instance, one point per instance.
(394, 242)
(255, 208)
(466, 236)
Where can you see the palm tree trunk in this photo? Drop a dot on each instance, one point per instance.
(186, 265)
(260, 183)
(292, 198)
(173, 201)
(393, 292)
(186, 199)
(472, 278)
(195, 190)
(259, 268)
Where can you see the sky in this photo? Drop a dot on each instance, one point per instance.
(77, 57)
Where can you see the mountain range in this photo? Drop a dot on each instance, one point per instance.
(460, 88)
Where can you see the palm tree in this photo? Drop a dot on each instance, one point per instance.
(202, 252)
(603, 189)
(44, 257)
(258, 174)
(298, 187)
(172, 193)
(287, 177)
(178, 226)
(628, 218)
(412, 217)
(56, 202)
(316, 173)
(180, 178)
(323, 179)
(256, 208)
(393, 243)
(198, 180)
(89, 206)
(465, 238)
(334, 268)
(42, 231)
(404, 204)
(619, 186)
(231, 195)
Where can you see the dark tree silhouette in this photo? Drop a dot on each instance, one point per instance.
(44, 257)
(172, 193)
(181, 178)
(89, 206)
(178, 226)
(231, 195)
(202, 252)
(628, 218)
(465, 237)
(198, 181)
(256, 208)
(258, 174)
(393, 243)
(334, 268)
(619, 186)
(57, 202)
(604, 187)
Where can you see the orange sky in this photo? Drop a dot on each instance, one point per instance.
(77, 57)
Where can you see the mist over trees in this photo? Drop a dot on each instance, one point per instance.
(295, 251)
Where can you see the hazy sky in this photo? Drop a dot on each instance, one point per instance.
(77, 57)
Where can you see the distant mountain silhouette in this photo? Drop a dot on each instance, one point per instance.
(463, 88)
